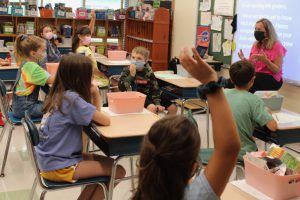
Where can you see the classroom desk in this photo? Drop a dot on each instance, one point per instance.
(122, 138)
(287, 132)
(232, 192)
(182, 87)
(8, 73)
(109, 66)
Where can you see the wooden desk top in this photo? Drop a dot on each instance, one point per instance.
(8, 67)
(105, 61)
(179, 81)
(290, 125)
(232, 192)
(128, 125)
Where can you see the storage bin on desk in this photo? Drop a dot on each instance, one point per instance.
(116, 55)
(126, 102)
(272, 102)
(52, 68)
(274, 186)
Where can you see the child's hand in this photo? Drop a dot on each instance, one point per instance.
(94, 89)
(197, 67)
(132, 69)
(93, 15)
(160, 108)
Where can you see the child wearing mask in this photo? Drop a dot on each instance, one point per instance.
(140, 76)
(29, 50)
(53, 54)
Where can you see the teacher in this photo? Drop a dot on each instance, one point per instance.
(266, 55)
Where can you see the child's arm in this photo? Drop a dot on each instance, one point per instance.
(125, 80)
(155, 92)
(226, 139)
(92, 22)
(98, 117)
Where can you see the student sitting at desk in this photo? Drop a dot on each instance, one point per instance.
(30, 76)
(169, 162)
(81, 45)
(53, 54)
(73, 102)
(247, 108)
(140, 75)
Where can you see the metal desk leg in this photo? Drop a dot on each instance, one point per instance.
(112, 178)
(132, 173)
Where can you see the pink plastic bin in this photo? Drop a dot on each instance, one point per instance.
(274, 186)
(116, 55)
(52, 68)
(126, 102)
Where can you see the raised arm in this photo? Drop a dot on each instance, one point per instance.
(92, 22)
(225, 134)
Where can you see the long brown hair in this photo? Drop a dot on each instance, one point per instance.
(84, 30)
(74, 73)
(25, 44)
(168, 154)
(42, 30)
(270, 30)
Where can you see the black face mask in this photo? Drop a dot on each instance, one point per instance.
(259, 35)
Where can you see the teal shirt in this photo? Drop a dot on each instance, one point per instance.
(248, 110)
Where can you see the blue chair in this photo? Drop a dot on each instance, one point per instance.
(205, 155)
(9, 122)
(32, 140)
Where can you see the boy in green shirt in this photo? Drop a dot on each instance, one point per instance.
(247, 108)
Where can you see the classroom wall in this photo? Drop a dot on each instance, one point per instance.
(184, 25)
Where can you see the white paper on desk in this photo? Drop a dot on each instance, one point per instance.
(205, 18)
(227, 48)
(228, 29)
(205, 5)
(224, 7)
(110, 113)
(121, 62)
(216, 22)
(216, 42)
(282, 118)
(169, 76)
(242, 185)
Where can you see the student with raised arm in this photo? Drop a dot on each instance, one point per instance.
(169, 153)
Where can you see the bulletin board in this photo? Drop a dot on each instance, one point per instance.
(219, 56)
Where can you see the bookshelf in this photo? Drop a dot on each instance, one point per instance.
(111, 32)
(151, 34)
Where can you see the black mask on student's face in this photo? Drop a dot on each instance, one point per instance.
(259, 35)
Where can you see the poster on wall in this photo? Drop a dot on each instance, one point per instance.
(203, 36)
(224, 7)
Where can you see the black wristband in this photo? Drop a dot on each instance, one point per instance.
(211, 87)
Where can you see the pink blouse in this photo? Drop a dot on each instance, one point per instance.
(277, 50)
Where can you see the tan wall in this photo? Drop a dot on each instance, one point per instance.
(184, 25)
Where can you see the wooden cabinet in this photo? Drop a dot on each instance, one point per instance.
(152, 34)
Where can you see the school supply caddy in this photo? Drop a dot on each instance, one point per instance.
(274, 173)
